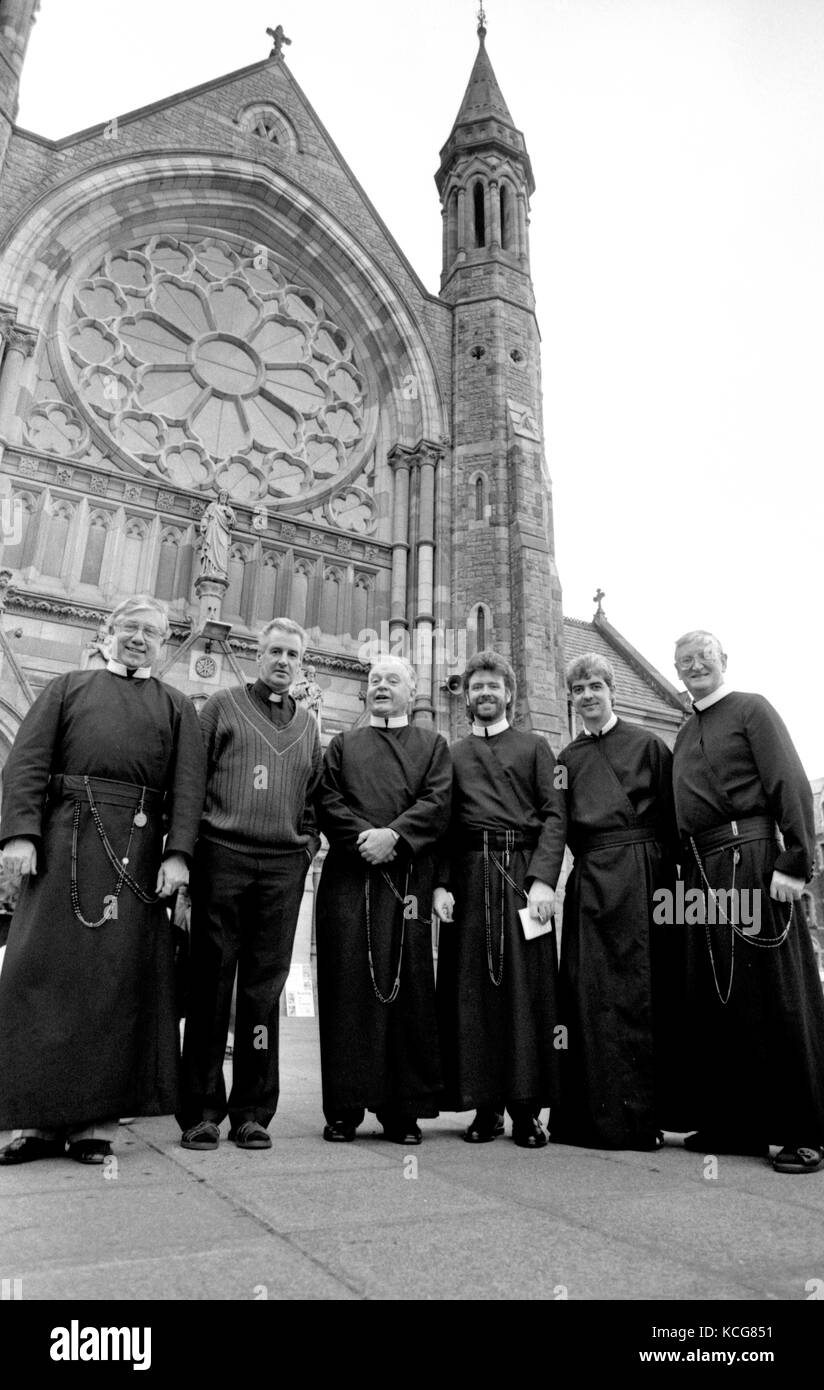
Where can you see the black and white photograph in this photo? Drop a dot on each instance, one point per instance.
(411, 739)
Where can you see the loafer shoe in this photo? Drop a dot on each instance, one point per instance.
(204, 1135)
(704, 1142)
(250, 1135)
(89, 1150)
(30, 1147)
(485, 1127)
(407, 1134)
(529, 1134)
(339, 1133)
(804, 1159)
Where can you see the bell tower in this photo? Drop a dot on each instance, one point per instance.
(504, 581)
(16, 22)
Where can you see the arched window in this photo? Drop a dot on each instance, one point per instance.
(127, 580)
(300, 593)
(167, 564)
(481, 630)
(267, 591)
(58, 534)
(505, 220)
(479, 213)
(480, 498)
(233, 601)
(329, 604)
(360, 604)
(95, 548)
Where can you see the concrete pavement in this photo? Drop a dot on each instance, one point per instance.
(370, 1220)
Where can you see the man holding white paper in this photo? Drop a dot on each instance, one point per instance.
(497, 974)
(620, 1011)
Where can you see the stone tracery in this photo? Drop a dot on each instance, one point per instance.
(207, 367)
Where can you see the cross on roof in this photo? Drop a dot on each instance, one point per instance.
(596, 598)
(278, 40)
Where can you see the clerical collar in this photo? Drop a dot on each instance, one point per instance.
(140, 673)
(707, 700)
(489, 730)
(391, 721)
(266, 693)
(597, 733)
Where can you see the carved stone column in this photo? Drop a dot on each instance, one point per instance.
(427, 457)
(19, 343)
(400, 460)
(495, 237)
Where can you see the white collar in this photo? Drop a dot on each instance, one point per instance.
(489, 730)
(117, 668)
(707, 700)
(610, 724)
(392, 721)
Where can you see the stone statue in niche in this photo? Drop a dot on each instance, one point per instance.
(306, 691)
(216, 529)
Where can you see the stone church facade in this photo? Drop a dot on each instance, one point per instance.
(200, 309)
(198, 298)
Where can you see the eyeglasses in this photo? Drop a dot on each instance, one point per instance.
(152, 634)
(683, 663)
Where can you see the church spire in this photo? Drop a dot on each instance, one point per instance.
(16, 21)
(485, 176)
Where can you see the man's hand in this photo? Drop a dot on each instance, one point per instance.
(20, 856)
(443, 904)
(377, 846)
(173, 873)
(785, 889)
(541, 901)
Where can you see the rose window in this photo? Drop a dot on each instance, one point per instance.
(207, 367)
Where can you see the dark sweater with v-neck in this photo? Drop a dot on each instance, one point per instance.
(263, 765)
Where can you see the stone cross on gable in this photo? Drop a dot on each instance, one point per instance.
(278, 40)
(596, 598)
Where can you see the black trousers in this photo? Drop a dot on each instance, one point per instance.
(244, 915)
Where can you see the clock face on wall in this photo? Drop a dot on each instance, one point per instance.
(206, 366)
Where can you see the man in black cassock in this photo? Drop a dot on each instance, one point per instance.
(383, 805)
(756, 1009)
(497, 1005)
(618, 822)
(105, 763)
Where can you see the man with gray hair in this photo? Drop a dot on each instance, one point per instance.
(618, 822)
(257, 840)
(756, 1012)
(105, 763)
(384, 805)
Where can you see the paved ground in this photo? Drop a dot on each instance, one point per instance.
(369, 1220)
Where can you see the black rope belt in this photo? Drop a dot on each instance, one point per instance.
(732, 832)
(497, 839)
(608, 838)
(106, 792)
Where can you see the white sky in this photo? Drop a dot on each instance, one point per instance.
(677, 244)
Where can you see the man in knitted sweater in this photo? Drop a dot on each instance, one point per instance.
(258, 837)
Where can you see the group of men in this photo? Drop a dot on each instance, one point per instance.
(113, 794)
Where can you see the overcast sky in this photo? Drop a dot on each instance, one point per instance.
(677, 242)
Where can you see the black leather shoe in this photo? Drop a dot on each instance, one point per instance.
(30, 1147)
(408, 1133)
(89, 1150)
(485, 1127)
(528, 1134)
(705, 1142)
(339, 1133)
